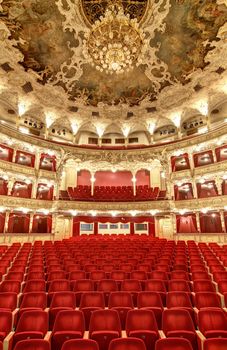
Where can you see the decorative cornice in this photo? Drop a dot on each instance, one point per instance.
(111, 155)
(165, 206)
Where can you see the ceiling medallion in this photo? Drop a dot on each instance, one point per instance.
(115, 43)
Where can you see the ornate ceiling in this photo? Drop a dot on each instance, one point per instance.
(42, 44)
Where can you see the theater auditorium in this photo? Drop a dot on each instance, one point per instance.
(113, 175)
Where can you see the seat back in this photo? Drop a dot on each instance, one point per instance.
(33, 321)
(92, 299)
(32, 344)
(173, 344)
(105, 320)
(141, 320)
(69, 320)
(176, 319)
(63, 299)
(207, 299)
(149, 299)
(8, 300)
(120, 299)
(34, 299)
(80, 344)
(211, 320)
(127, 344)
(178, 299)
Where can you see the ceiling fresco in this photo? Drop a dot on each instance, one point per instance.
(52, 48)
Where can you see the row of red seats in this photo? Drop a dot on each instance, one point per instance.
(113, 193)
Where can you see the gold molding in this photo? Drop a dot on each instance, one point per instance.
(161, 206)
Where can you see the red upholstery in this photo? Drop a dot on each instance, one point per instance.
(69, 324)
(173, 344)
(127, 344)
(104, 326)
(213, 323)
(80, 344)
(32, 344)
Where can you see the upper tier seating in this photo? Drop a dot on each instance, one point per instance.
(113, 193)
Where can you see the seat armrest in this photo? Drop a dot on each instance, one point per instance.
(222, 299)
(196, 310)
(201, 339)
(48, 336)
(123, 334)
(47, 309)
(86, 335)
(8, 341)
(161, 334)
(216, 286)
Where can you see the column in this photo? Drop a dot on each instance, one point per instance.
(31, 222)
(214, 155)
(218, 183)
(100, 142)
(56, 191)
(222, 220)
(34, 188)
(14, 154)
(5, 230)
(92, 183)
(198, 221)
(191, 161)
(126, 142)
(134, 183)
(174, 220)
(10, 186)
(37, 159)
(194, 187)
(179, 135)
(54, 222)
(169, 190)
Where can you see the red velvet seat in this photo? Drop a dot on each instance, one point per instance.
(207, 299)
(132, 286)
(151, 301)
(213, 323)
(142, 324)
(203, 286)
(157, 286)
(10, 286)
(33, 301)
(173, 344)
(91, 301)
(107, 286)
(32, 344)
(8, 301)
(6, 321)
(80, 344)
(127, 344)
(121, 302)
(179, 300)
(69, 324)
(215, 344)
(31, 325)
(61, 301)
(179, 286)
(104, 326)
(178, 323)
(34, 286)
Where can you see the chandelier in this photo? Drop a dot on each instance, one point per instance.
(115, 43)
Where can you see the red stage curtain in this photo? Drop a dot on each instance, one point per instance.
(25, 158)
(210, 222)
(3, 187)
(18, 223)
(6, 153)
(143, 178)
(2, 222)
(109, 178)
(221, 153)
(83, 178)
(198, 158)
(47, 162)
(186, 223)
(42, 224)
(180, 162)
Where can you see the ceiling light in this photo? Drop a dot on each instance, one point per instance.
(115, 43)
